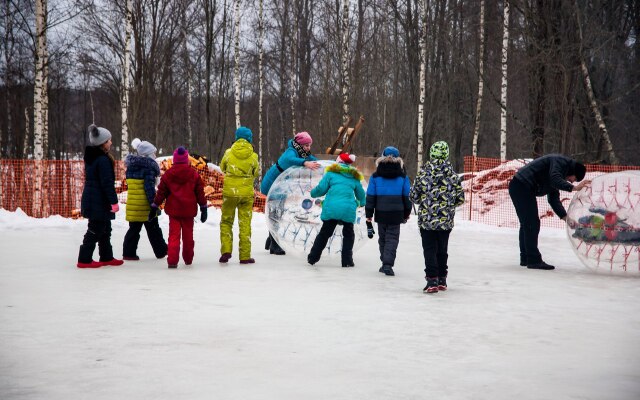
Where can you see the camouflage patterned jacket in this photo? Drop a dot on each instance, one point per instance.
(437, 192)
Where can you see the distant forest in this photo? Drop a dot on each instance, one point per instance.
(525, 77)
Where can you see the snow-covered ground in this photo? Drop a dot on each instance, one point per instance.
(281, 329)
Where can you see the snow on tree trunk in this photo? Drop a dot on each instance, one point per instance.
(476, 129)
(236, 67)
(345, 60)
(503, 86)
(40, 106)
(124, 90)
(260, 75)
(422, 43)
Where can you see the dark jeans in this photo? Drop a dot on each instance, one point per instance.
(388, 238)
(348, 238)
(131, 239)
(98, 232)
(434, 248)
(524, 200)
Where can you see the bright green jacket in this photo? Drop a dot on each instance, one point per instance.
(241, 168)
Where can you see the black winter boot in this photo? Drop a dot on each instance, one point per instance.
(275, 248)
(388, 270)
(541, 265)
(267, 245)
(442, 283)
(432, 285)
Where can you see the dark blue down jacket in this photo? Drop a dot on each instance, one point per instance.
(99, 191)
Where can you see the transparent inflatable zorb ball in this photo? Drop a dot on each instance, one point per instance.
(293, 216)
(603, 223)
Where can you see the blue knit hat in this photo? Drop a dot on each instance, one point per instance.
(244, 133)
(390, 151)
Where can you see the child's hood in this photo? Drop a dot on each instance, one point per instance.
(242, 149)
(345, 170)
(179, 173)
(389, 167)
(139, 162)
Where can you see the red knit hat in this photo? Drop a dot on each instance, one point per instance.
(181, 156)
(303, 138)
(346, 158)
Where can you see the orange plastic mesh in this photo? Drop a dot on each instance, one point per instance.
(486, 183)
(54, 187)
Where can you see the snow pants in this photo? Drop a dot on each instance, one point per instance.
(180, 227)
(132, 237)
(348, 239)
(526, 205)
(244, 205)
(98, 232)
(388, 239)
(434, 248)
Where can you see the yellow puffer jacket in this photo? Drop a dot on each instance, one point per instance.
(141, 185)
(240, 167)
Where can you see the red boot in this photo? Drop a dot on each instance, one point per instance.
(248, 261)
(92, 264)
(114, 262)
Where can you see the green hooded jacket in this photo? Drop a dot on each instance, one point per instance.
(240, 167)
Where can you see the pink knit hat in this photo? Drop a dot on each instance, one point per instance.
(303, 138)
(346, 158)
(181, 156)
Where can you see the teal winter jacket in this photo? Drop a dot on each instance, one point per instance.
(344, 193)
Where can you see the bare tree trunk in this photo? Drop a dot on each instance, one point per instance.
(422, 40)
(293, 75)
(27, 129)
(187, 70)
(124, 90)
(602, 127)
(40, 105)
(345, 60)
(236, 66)
(503, 86)
(260, 74)
(476, 129)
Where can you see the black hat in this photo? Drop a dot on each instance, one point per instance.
(580, 171)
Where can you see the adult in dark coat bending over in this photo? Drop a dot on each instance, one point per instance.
(546, 175)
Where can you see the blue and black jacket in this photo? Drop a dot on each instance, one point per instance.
(388, 192)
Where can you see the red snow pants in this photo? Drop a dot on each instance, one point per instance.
(176, 227)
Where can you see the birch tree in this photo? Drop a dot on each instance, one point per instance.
(124, 90)
(40, 104)
(593, 103)
(260, 74)
(422, 44)
(293, 73)
(344, 55)
(236, 67)
(503, 86)
(476, 129)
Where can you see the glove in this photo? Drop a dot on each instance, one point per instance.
(154, 211)
(115, 208)
(203, 214)
(370, 231)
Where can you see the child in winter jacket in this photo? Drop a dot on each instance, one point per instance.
(142, 172)
(99, 200)
(298, 152)
(388, 199)
(341, 184)
(183, 189)
(437, 192)
(240, 167)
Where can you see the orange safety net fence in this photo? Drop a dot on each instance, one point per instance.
(486, 187)
(54, 187)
